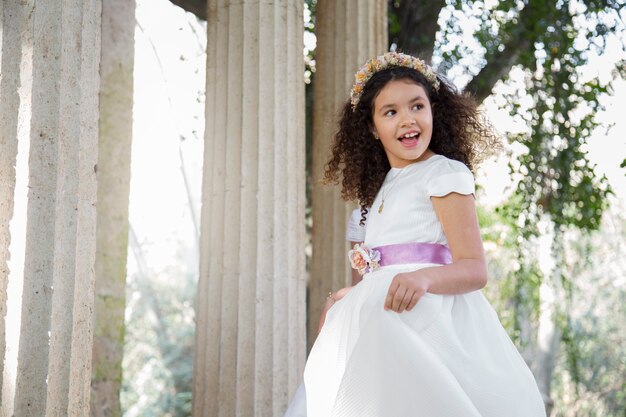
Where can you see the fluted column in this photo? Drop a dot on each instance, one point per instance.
(115, 132)
(57, 46)
(250, 337)
(14, 67)
(348, 33)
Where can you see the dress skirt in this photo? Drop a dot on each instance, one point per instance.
(447, 357)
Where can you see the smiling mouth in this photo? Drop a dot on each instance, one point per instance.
(409, 138)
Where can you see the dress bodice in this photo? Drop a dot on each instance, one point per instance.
(408, 214)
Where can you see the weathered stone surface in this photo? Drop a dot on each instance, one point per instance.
(54, 49)
(114, 156)
(10, 59)
(15, 90)
(250, 339)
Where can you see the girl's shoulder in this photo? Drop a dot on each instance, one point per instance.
(441, 165)
(448, 175)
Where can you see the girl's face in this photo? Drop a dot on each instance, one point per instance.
(403, 119)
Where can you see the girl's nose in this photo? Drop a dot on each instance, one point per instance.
(408, 121)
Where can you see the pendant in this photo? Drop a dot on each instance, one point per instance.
(380, 208)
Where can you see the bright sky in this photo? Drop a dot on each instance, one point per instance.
(169, 77)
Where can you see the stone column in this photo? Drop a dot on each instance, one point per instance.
(115, 128)
(348, 34)
(250, 338)
(59, 96)
(15, 62)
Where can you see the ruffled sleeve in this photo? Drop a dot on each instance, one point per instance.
(450, 176)
(354, 231)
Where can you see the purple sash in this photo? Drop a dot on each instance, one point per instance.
(414, 253)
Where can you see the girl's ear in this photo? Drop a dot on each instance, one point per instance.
(373, 130)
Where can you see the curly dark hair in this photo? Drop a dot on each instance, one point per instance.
(359, 161)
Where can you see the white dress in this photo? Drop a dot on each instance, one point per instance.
(447, 357)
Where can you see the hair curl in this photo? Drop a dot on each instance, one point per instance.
(359, 161)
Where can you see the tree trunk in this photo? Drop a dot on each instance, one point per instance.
(418, 21)
(500, 62)
(551, 296)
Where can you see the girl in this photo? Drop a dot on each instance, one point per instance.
(415, 337)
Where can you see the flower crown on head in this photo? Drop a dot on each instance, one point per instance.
(382, 62)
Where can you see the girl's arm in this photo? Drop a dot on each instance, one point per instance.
(334, 297)
(468, 270)
(330, 301)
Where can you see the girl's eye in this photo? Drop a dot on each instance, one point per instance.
(390, 113)
(418, 106)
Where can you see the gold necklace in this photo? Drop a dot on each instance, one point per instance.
(386, 194)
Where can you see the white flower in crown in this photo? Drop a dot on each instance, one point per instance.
(382, 62)
(364, 259)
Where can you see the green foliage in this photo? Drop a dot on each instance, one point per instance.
(594, 364)
(159, 344)
(556, 175)
(550, 42)
(518, 273)
(589, 375)
(393, 24)
(309, 30)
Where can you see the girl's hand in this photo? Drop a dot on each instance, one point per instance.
(405, 291)
(330, 301)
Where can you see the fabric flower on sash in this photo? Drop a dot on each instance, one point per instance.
(364, 259)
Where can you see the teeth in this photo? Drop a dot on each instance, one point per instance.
(410, 135)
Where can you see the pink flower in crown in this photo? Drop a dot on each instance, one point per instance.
(364, 259)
